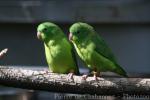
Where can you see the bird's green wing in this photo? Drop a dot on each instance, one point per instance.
(107, 65)
(102, 48)
(74, 58)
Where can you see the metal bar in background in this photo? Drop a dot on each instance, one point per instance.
(29, 11)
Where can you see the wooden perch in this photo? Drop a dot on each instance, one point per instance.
(52, 82)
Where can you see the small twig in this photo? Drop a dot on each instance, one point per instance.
(3, 52)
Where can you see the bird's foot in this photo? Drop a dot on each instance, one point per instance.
(70, 76)
(95, 78)
(47, 71)
(84, 77)
(3, 52)
(95, 74)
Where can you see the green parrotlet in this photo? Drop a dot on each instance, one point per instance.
(93, 50)
(58, 50)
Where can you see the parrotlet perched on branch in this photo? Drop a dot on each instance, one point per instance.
(93, 50)
(58, 50)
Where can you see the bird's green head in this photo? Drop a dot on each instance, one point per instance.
(80, 31)
(47, 31)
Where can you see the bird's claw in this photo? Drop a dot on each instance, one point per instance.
(70, 76)
(47, 71)
(84, 77)
(95, 78)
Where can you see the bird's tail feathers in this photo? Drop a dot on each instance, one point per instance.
(119, 70)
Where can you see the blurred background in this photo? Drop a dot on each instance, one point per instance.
(124, 24)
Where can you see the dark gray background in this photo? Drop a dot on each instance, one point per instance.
(124, 24)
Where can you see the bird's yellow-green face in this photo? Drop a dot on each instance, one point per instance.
(80, 31)
(47, 30)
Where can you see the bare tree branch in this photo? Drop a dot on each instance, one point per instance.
(41, 80)
(3, 52)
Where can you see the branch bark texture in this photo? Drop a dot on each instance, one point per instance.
(53, 82)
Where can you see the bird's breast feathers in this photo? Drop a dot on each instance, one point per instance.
(85, 51)
(57, 50)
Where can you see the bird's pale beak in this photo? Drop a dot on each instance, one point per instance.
(39, 35)
(70, 36)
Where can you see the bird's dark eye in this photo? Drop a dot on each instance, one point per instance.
(78, 32)
(45, 29)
